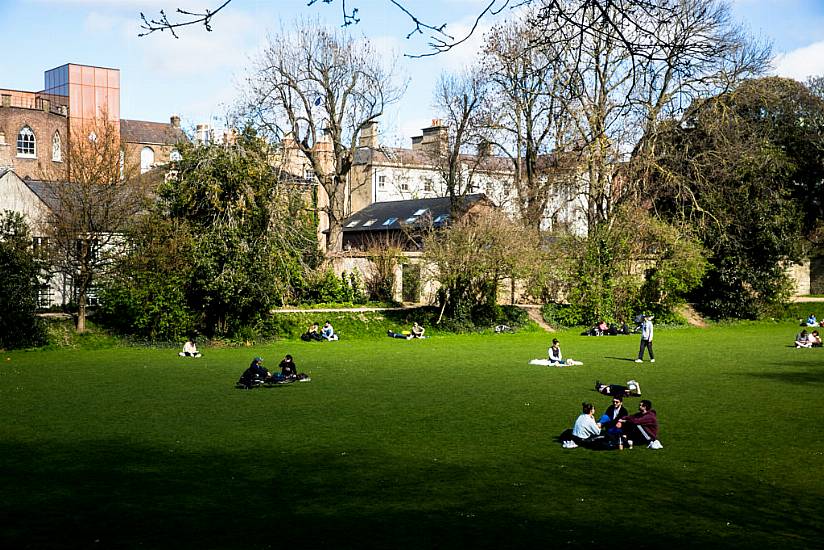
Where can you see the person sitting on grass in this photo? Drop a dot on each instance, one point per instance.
(328, 333)
(613, 414)
(417, 330)
(586, 432)
(190, 349)
(812, 321)
(255, 375)
(641, 427)
(312, 334)
(554, 352)
(289, 372)
(802, 340)
(815, 339)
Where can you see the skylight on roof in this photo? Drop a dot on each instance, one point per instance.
(390, 221)
(370, 222)
(353, 223)
(420, 212)
(441, 218)
(410, 219)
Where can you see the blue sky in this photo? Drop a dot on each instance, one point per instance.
(198, 76)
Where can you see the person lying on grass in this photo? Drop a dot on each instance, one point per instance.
(416, 332)
(632, 389)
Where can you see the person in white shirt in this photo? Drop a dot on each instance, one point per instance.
(646, 339)
(190, 349)
(585, 431)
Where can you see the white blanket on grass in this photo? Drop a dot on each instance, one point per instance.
(548, 363)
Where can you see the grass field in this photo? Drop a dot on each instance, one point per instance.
(440, 443)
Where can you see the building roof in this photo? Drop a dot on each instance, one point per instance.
(383, 216)
(45, 191)
(157, 133)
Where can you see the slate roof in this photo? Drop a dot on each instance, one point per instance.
(157, 133)
(44, 191)
(383, 216)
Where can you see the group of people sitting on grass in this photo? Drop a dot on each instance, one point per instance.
(258, 375)
(601, 328)
(615, 429)
(415, 332)
(806, 339)
(315, 334)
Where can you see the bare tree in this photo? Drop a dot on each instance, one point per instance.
(91, 209)
(461, 150)
(678, 51)
(530, 120)
(317, 90)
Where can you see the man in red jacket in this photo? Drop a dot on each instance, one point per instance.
(641, 427)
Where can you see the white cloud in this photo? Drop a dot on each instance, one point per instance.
(802, 62)
(203, 52)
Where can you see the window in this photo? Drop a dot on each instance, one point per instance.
(427, 185)
(370, 222)
(420, 212)
(381, 182)
(26, 145)
(40, 247)
(308, 174)
(44, 296)
(353, 223)
(410, 219)
(442, 218)
(57, 148)
(146, 159)
(405, 186)
(174, 156)
(390, 221)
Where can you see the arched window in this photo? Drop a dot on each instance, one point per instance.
(26, 144)
(146, 159)
(57, 148)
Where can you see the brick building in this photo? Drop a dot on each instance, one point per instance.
(36, 127)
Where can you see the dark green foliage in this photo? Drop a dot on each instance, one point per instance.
(20, 277)
(145, 295)
(744, 174)
(232, 238)
(324, 287)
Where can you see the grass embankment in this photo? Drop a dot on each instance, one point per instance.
(444, 442)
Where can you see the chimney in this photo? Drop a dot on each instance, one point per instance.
(484, 149)
(369, 136)
(434, 138)
(175, 120)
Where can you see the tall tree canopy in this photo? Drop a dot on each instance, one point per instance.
(744, 170)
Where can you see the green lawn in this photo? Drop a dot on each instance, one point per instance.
(440, 443)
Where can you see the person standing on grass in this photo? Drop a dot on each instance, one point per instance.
(646, 339)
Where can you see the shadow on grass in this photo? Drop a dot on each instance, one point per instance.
(629, 359)
(112, 494)
(788, 373)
